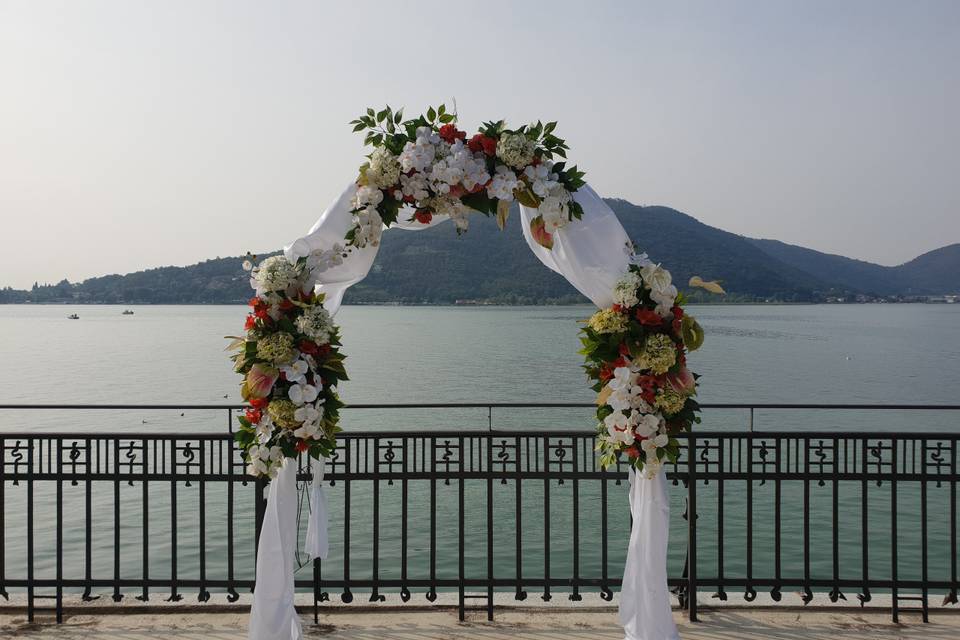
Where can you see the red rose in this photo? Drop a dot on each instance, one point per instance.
(250, 323)
(617, 308)
(302, 446)
(323, 350)
(259, 403)
(449, 133)
(483, 143)
(254, 415)
(649, 318)
(423, 216)
(606, 372)
(619, 362)
(409, 199)
(632, 451)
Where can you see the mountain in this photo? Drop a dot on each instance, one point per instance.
(485, 264)
(933, 273)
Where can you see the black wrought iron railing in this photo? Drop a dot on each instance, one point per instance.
(473, 511)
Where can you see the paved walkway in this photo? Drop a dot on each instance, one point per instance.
(515, 624)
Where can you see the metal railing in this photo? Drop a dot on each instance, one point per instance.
(478, 511)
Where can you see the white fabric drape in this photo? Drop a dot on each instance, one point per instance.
(592, 254)
(317, 543)
(644, 599)
(273, 616)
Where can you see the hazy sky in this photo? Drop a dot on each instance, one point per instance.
(136, 134)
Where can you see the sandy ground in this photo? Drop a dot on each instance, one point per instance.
(511, 624)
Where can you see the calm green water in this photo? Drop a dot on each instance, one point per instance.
(803, 354)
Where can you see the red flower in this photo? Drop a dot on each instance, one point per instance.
(449, 133)
(309, 347)
(323, 350)
(606, 372)
(259, 403)
(457, 191)
(624, 349)
(250, 323)
(423, 216)
(649, 318)
(303, 445)
(286, 304)
(254, 415)
(617, 308)
(483, 143)
(255, 301)
(632, 451)
(409, 199)
(261, 313)
(619, 362)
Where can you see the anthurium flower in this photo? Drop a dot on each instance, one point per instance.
(540, 234)
(682, 381)
(260, 380)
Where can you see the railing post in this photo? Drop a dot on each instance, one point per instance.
(691, 527)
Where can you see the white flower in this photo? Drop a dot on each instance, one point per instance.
(664, 299)
(656, 277)
(639, 259)
(622, 379)
(384, 169)
(247, 265)
(307, 431)
(317, 324)
(296, 372)
(648, 424)
(625, 291)
(264, 460)
(368, 227)
(420, 154)
(615, 422)
(324, 259)
(554, 209)
(307, 414)
(367, 196)
(503, 184)
(301, 394)
(661, 440)
(415, 185)
(274, 274)
(540, 178)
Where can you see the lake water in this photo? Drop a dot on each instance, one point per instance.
(884, 354)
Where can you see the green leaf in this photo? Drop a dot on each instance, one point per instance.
(431, 114)
(692, 333)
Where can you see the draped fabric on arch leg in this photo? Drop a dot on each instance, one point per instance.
(592, 254)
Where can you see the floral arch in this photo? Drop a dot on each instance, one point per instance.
(422, 172)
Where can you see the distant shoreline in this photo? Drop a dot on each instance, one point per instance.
(243, 303)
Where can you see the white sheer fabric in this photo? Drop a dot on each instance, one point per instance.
(644, 599)
(273, 616)
(592, 253)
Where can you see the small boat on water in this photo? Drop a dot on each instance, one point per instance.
(127, 312)
(73, 316)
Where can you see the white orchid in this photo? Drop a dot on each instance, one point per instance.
(296, 372)
(307, 414)
(307, 431)
(301, 394)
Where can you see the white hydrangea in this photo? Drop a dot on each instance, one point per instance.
(316, 323)
(541, 178)
(625, 291)
(554, 209)
(274, 274)
(503, 184)
(515, 150)
(384, 169)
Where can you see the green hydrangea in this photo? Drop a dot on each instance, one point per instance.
(607, 321)
(659, 353)
(669, 401)
(277, 348)
(515, 149)
(282, 413)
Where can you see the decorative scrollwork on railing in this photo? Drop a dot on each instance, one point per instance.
(447, 458)
(503, 459)
(73, 456)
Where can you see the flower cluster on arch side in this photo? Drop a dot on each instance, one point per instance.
(636, 355)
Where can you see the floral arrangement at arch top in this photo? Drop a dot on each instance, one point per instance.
(636, 354)
(426, 166)
(291, 362)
